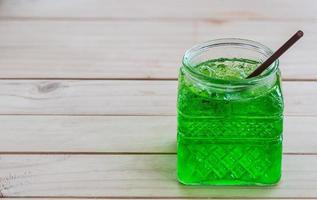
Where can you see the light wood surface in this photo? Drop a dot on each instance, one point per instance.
(88, 95)
(164, 9)
(136, 175)
(143, 198)
(128, 97)
(151, 50)
(109, 134)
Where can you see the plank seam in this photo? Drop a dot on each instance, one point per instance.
(150, 197)
(133, 79)
(158, 19)
(118, 153)
(119, 115)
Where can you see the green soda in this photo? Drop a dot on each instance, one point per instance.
(229, 127)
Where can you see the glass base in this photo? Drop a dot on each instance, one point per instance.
(205, 162)
(228, 183)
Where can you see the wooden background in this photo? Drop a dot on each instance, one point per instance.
(88, 92)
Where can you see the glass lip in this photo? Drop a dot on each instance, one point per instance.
(238, 42)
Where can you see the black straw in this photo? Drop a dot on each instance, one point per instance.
(277, 54)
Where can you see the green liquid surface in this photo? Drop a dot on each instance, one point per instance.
(229, 137)
(227, 69)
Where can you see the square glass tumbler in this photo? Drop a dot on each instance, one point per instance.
(229, 131)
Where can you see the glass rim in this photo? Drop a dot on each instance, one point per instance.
(250, 44)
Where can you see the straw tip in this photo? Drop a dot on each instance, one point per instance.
(300, 33)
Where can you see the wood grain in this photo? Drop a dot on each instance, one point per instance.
(143, 198)
(89, 198)
(164, 9)
(105, 139)
(136, 176)
(121, 134)
(65, 97)
(135, 49)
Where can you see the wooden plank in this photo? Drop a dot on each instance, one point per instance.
(108, 134)
(88, 134)
(87, 198)
(91, 50)
(118, 9)
(66, 97)
(136, 176)
(87, 97)
(135, 49)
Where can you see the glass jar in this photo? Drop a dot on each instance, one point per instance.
(229, 131)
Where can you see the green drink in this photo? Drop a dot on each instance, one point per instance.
(229, 127)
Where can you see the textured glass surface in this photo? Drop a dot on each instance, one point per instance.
(229, 137)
